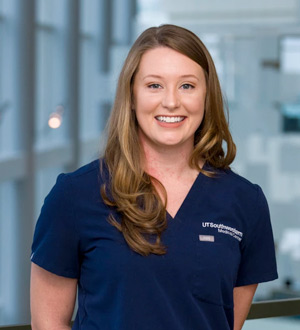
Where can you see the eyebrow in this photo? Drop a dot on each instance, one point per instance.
(160, 77)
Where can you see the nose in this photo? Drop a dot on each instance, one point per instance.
(171, 99)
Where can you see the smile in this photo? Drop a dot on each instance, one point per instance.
(164, 119)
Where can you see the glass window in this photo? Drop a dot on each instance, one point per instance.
(291, 117)
(290, 54)
(52, 154)
(96, 92)
(222, 51)
(51, 100)
(8, 253)
(51, 80)
(51, 13)
(290, 68)
(91, 89)
(8, 116)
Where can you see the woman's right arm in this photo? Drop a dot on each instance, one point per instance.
(52, 299)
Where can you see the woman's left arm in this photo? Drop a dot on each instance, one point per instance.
(242, 297)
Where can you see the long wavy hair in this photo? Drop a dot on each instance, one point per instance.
(130, 190)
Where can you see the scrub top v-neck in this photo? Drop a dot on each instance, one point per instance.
(193, 189)
(220, 238)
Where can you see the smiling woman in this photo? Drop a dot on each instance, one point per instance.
(168, 72)
(158, 233)
(168, 98)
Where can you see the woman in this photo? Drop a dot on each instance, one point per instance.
(174, 239)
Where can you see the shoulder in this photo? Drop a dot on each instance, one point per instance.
(95, 171)
(232, 190)
(85, 170)
(241, 182)
(241, 198)
(231, 181)
(84, 182)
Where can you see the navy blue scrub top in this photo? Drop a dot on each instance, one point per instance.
(220, 238)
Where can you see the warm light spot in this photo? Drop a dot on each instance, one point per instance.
(54, 120)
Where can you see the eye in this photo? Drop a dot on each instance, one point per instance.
(187, 86)
(154, 86)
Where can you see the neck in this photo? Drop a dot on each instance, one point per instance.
(170, 161)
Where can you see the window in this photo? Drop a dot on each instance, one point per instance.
(290, 54)
(290, 68)
(8, 127)
(290, 117)
(95, 78)
(8, 252)
(51, 80)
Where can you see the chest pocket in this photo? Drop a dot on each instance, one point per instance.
(216, 270)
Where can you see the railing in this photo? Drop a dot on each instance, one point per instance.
(274, 308)
(259, 310)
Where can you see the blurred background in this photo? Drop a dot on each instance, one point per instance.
(59, 65)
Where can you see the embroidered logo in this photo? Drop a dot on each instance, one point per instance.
(222, 229)
(206, 238)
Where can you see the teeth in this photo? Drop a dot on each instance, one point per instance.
(169, 119)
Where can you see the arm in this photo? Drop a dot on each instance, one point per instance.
(242, 297)
(52, 299)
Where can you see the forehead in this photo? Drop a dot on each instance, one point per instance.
(164, 60)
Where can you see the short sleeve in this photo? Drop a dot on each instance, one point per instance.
(55, 244)
(258, 262)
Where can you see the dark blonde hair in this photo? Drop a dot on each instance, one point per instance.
(130, 189)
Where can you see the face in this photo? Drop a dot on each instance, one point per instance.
(168, 97)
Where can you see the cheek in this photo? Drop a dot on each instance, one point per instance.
(145, 105)
(142, 112)
(196, 107)
(197, 113)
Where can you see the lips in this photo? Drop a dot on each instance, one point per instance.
(170, 119)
